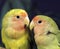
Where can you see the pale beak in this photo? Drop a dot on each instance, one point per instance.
(26, 21)
(31, 25)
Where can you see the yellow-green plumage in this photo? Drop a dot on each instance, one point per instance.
(46, 32)
(19, 41)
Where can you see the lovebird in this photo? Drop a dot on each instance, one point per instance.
(45, 32)
(15, 34)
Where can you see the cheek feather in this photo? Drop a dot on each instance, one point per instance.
(40, 29)
(17, 24)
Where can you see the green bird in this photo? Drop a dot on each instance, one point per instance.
(45, 32)
(15, 34)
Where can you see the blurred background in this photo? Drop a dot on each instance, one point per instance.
(33, 7)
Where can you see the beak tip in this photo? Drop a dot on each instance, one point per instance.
(27, 21)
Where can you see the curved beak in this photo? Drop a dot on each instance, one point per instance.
(31, 25)
(26, 21)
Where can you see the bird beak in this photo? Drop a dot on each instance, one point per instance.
(27, 21)
(31, 25)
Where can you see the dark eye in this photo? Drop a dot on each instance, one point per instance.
(17, 17)
(39, 21)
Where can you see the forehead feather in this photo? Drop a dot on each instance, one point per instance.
(16, 12)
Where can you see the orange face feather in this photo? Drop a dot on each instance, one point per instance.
(16, 25)
(18, 21)
(24, 14)
(39, 25)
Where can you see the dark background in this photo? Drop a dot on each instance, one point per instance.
(47, 7)
(33, 7)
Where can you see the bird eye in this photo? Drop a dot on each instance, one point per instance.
(17, 17)
(39, 21)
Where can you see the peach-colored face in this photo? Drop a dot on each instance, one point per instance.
(16, 27)
(18, 21)
(40, 25)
